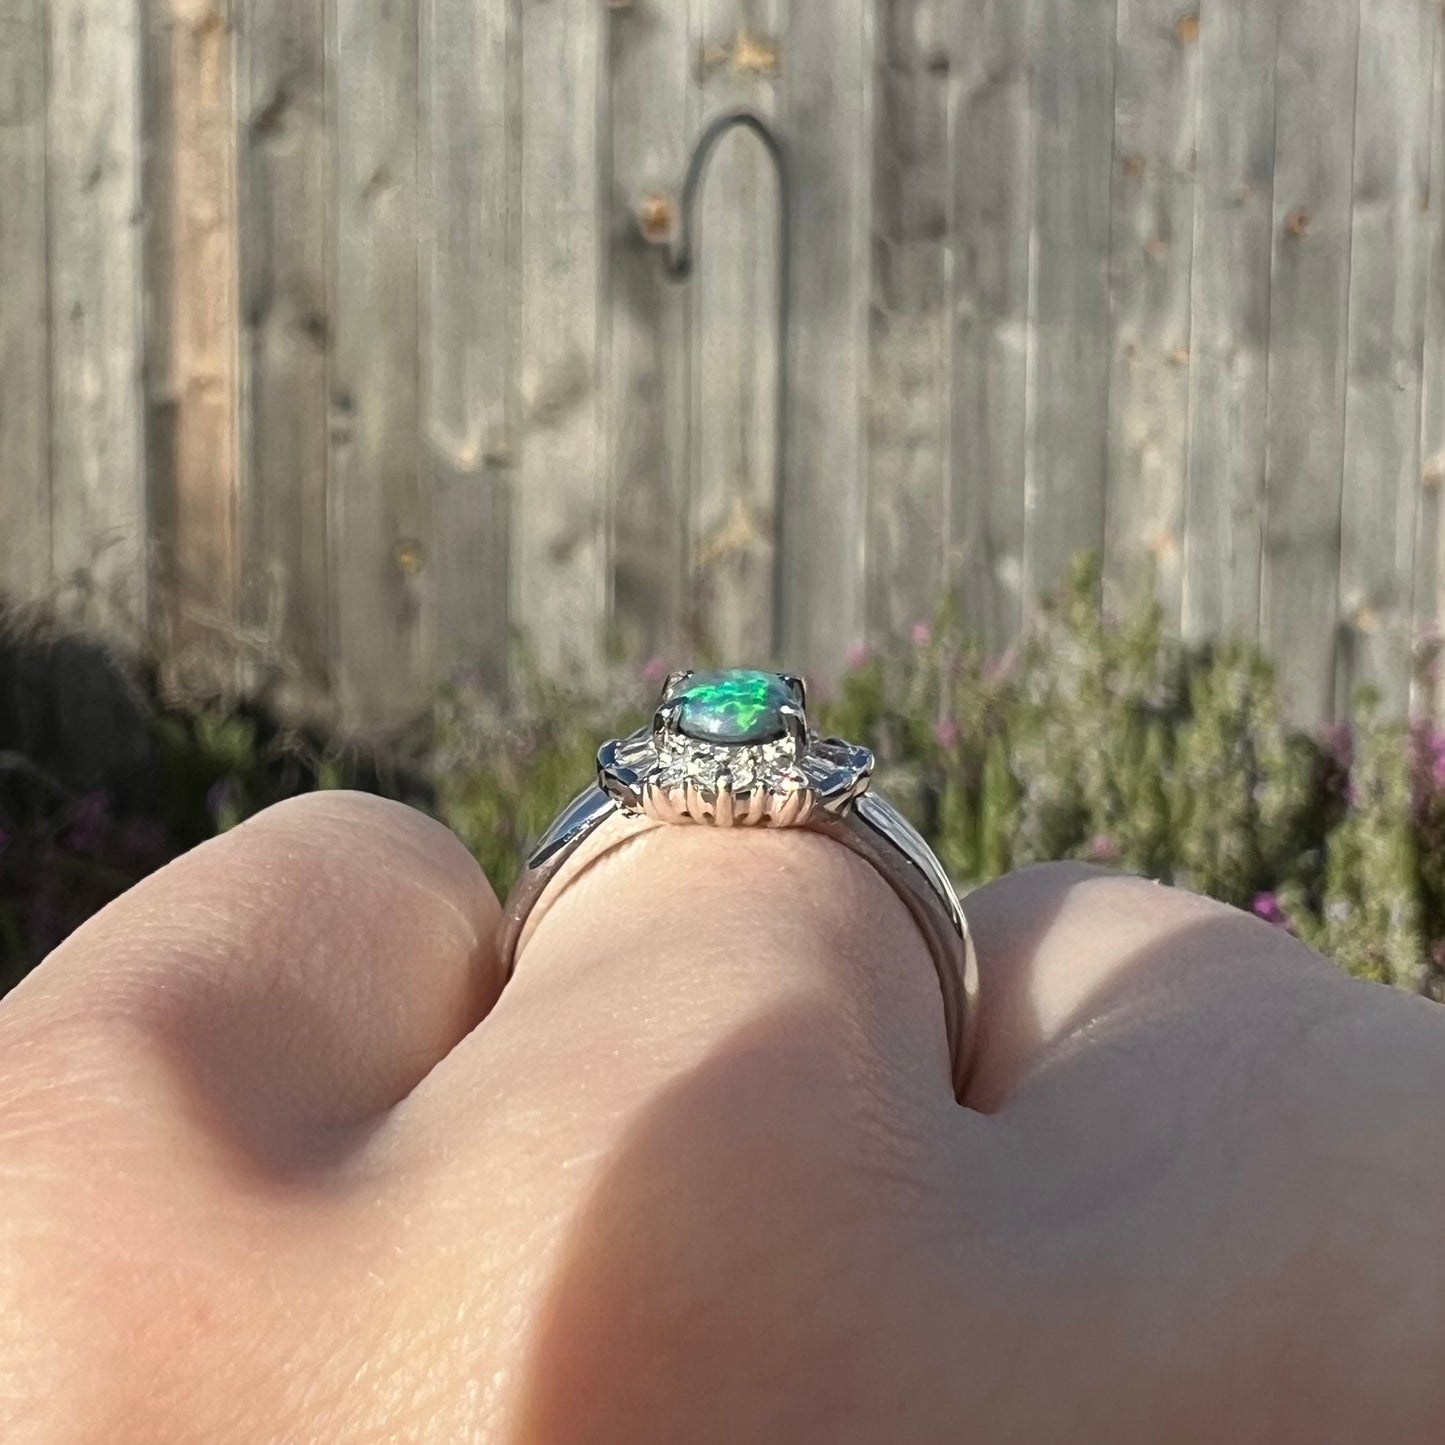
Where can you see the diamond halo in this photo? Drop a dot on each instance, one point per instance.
(732, 748)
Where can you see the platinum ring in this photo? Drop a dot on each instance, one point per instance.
(734, 749)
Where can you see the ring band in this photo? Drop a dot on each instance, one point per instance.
(734, 748)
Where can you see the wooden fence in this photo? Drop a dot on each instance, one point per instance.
(332, 340)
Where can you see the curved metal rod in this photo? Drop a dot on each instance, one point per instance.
(681, 258)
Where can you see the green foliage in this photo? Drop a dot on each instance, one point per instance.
(501, 778)
(1095, 737)
(1103, 739)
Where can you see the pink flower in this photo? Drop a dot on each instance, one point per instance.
(945, 734)
(922, 634)
(1266, 906)
(655, 669)
(857, 655)
(1102, 849)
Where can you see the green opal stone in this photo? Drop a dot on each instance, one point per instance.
(733, 706)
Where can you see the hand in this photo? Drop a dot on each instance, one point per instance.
(279, 1164)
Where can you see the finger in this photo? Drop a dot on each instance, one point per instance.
(714, 1091)
(677, 949)
(1067, 951)
(283, 982)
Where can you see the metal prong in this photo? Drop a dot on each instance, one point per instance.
(665, 721)
(786, 807)
(723, 814)
(674, 681)
(796, 722)
(658, 802)
(797, 687)
(695, 803)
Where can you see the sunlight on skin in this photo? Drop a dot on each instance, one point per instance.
(276, 1161)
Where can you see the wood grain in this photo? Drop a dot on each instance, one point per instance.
(284, 186)
(190, 398)
(821, 531)
(559, 515)
(24, 344)
(1315, 124)
(645, 330)
(1156, 104)
(1389, 253)
(95, 220)
(739, 55)
(1229, 319)
(909, 394)
(994, 139)
(1067, 463)
(380, 532)
(472, 148)
(370, 363)
(1428, 691)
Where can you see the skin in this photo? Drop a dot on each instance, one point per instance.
(280, 1161)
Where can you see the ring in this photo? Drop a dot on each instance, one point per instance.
(734, 749)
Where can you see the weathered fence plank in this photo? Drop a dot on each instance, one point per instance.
(645, 329)
(559, 556)
(24, 349)
(821, 531)
(1315, 100)
(909, 386)
(1428, 697)
(95, 219)
(994, 139)
(1066, 467)
(734, 341)
(284, 185)
(190, 396)
(471, 74)
(1229, 323)
(380, 505)
(1156, 104)
(1389, 248)
(1152, 277)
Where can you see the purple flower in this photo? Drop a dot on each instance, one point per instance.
(922, 634)
(655, 669)
(1267, 907)
(856, 655)
(945, 734)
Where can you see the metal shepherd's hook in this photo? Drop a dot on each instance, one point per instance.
(681, 255)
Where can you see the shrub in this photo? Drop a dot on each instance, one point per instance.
(1092, 738)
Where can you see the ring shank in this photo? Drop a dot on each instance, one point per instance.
(870, 827)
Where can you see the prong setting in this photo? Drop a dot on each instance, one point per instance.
(665, 722)
(728, 765)
(796, 722)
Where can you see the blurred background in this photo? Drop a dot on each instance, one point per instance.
(1060, 384)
